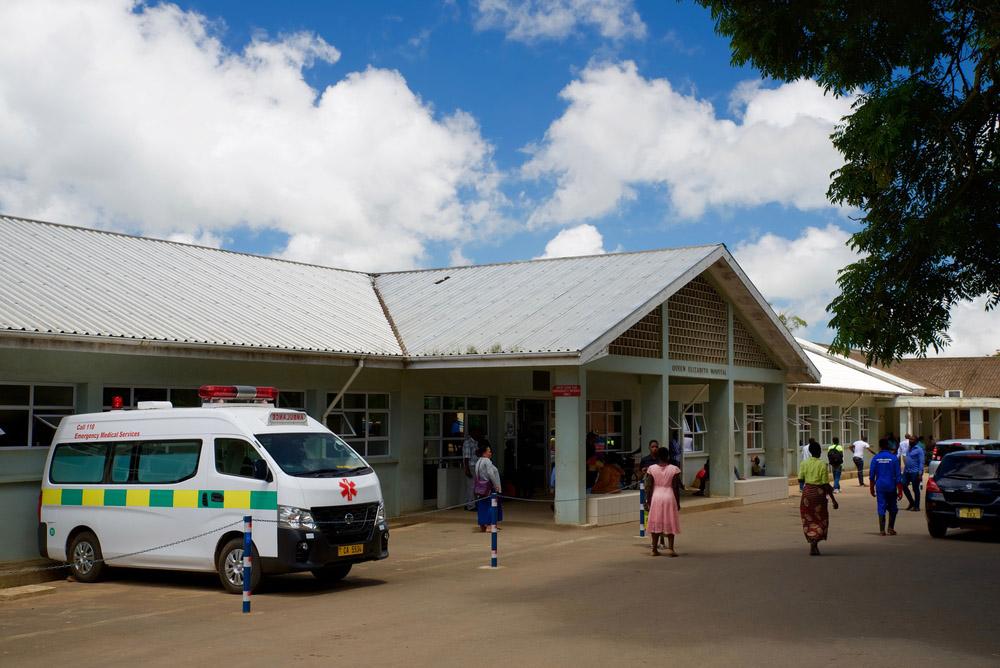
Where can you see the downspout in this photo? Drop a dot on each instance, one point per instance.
(343, 390)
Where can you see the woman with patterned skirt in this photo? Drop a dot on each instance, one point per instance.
(816, 491)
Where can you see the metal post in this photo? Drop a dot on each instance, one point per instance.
(642, 507)
(247, 560)
(493, 530)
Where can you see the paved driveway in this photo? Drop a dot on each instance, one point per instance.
(744, 592)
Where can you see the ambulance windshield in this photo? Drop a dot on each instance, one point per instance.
(313, 455)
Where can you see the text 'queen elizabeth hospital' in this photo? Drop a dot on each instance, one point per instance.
(403, 365)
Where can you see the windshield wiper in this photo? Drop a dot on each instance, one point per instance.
(319, 473)
(356, 469)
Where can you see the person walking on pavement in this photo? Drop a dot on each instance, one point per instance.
(903, 448)
(913, 474)
(469, 447)
(814, 480)
(665, 486)
(835, 455)
(858, 449)
(886, 486)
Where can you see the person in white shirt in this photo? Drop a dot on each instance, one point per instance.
(904, 447)
(858, 451)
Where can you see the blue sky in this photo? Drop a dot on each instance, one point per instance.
(390, 135)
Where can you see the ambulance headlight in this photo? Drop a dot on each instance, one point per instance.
(380, 517)
(290, 517)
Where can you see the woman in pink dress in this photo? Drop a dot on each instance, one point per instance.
(661, 505)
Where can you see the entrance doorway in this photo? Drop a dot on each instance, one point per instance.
(531, 452)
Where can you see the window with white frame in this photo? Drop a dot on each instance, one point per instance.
(826, 425)
(361, 419)
(802, 424)
(607, 419)
(864, 415)
(695, 428)
(447, 421)
(179, 397)
(30, 413)
(754, 427)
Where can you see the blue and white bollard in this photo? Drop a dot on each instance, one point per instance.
(493, 530)
(247, 560)
(642, 508)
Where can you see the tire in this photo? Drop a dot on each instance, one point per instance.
(229, 565)
(85, 557)
(937, 529)
(332, 573)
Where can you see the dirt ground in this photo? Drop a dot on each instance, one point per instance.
(743, 593)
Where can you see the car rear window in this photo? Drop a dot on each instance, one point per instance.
(970, 468)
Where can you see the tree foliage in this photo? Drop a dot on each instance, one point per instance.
(920, 148)
(792, 321)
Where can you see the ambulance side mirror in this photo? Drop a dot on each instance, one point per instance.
(260, 471)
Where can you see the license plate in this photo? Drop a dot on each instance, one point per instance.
(970, 513)
(350, 550)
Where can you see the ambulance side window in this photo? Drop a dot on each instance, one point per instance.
(234, 456)
(79, 463)
(167, 462)
(121, 462)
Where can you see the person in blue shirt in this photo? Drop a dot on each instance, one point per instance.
(913, 473)
(886, 486)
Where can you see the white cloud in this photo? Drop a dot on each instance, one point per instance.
(973, 330)
(622, 130)
(571, 242)
(533, 20)
(799, 277)
(142, 120)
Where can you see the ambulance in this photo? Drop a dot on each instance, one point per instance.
(165, 487)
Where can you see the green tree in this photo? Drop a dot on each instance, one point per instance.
(920, 151)
(792, 321)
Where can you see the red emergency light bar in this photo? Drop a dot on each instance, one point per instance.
(219, 393)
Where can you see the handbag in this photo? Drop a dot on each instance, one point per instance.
(482, 487)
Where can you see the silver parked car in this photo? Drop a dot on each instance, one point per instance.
(943, 447)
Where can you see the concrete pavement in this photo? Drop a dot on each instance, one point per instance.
(744, 592)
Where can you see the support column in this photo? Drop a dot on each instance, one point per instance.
(854, 426)
(719, 439)
(571, 462)
(995, 423)
(89, 398)
(775, 429)
(814, 423)
(838, 424)
(903, 426)
(653, 417)
(976, 429)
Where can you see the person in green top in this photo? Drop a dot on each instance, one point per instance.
(835, 455)
(816, 490)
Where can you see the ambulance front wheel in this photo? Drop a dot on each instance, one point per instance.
(230, 566)
(332, 572)
(86, 560)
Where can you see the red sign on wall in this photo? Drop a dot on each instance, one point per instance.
(565, 390)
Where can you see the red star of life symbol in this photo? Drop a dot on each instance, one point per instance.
(348, 489)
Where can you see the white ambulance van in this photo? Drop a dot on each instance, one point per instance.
(119, 483)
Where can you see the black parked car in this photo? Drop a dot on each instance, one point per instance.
(964, 492)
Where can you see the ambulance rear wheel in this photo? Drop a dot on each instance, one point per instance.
(230, 566)
(332, 573)
(85, 557)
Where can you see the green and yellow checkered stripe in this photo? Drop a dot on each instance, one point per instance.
(161, 498)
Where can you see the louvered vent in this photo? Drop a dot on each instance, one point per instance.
(746, 351)
(643, 339)
(697, 322)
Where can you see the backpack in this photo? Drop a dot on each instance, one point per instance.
(836, 457)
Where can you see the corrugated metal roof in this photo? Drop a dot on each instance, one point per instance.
(542, 306)
(67, 280)
(840, 373)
